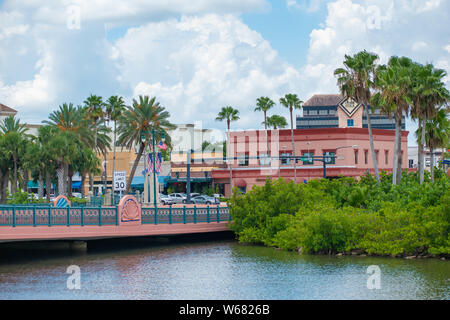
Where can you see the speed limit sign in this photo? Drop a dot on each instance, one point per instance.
(120, 180)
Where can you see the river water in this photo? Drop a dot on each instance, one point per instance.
(213, 269)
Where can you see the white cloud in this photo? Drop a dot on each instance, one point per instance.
(381, 26)
(196, 65)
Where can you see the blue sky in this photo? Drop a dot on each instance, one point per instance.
(197, 56)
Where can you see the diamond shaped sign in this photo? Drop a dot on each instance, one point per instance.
(349, 106)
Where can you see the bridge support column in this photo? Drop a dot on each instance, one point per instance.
(78, 245)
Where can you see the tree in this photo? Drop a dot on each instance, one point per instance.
(393, 86)
(114, 108)
(138, 121)
(264, 104)
(427, 93)
(356, 80)
(229, 114)
(277, 122)
(437, 132)
(14, 141)
(291, 101)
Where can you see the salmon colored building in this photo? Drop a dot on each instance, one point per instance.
(347, 148)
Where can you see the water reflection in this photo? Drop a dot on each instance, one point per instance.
(213, 270)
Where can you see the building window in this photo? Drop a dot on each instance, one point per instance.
(350, 122)
(376, 156)
(243, 162)
(411, 163)
(330, 157)
(308, 155)
(284, 160)
(386, 156)
(264, 160)
(356, 156)
(365, 156)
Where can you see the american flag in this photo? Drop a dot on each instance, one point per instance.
(157, 163)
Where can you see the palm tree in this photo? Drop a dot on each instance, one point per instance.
(356, 80)
(427, 93)
(291, 101)
(277, 122)
(437, 132)
(393, 85)
(229, 114)
(114, 108)
(138, 121)
(15, 137)
(264, 104)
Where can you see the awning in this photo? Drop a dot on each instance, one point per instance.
(138, 181)
(35, 185)
(241, 183)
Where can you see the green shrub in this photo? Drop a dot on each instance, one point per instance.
(342, 215)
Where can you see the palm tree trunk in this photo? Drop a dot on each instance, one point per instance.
(48, 184)
(432, 164)
(372, 147)
(293, 148)
(394, 162)
(60, 175)
(114, 160)
(4, 186)
(69, 182)
(14, 185)
(231, 161)
(83, 182)
(40, 185)
(421, 150)
(400, 156)
(133, 170)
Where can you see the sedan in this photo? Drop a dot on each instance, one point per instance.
(166, 200)
(178, 197)
(205, 200)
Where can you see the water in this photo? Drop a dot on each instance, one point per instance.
(214, 270)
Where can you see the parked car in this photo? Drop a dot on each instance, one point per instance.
(178, 197)
(193, 195)
(218, 195)
(77, 195)
(165, 199)
(205, 200)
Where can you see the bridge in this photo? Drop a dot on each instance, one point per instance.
(128, 219)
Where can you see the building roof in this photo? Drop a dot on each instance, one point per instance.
(323, 100)
(6, 109)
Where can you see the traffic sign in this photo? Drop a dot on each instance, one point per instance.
(120, 180)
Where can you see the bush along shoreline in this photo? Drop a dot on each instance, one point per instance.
(348, 217)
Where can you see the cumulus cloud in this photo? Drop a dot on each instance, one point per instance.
(380, 26)
(196, 65)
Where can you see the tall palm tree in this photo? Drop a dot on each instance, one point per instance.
(264, 104)
(114, 108)
(437, 132)
(393, 85)
(95, 112)
(15, 137)
(137, 121)
(427, 94)
(291, 101)
(229, 114)
(277, 122)
(356, 80)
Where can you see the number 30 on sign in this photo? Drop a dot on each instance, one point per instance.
(120, 178)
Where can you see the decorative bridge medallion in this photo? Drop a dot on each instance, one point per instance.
(129, 211)
(61, 202)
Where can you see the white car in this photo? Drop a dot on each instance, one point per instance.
(178, 197)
